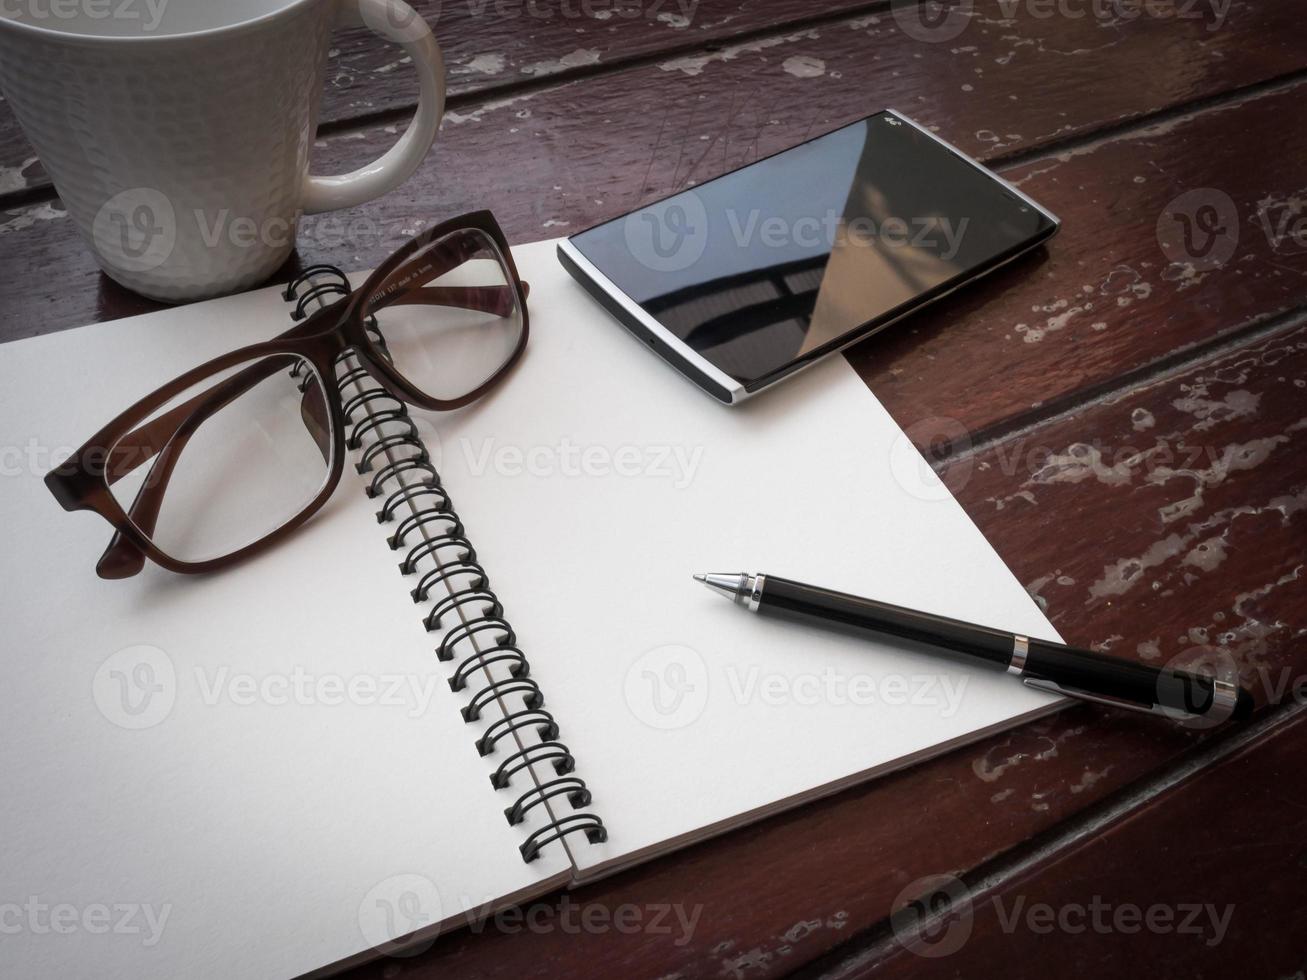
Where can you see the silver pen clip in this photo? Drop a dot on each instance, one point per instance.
(1052, 687)
(1223, 703)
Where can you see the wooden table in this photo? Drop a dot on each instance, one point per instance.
(1125, 424)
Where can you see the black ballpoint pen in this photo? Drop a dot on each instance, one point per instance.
(1041, 664)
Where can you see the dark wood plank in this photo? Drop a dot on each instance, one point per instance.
(789, 890)
(1190, 496)
(556, 160)
(496, 44)
(1119, 290)
(1204, 881)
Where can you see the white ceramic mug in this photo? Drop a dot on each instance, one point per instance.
(177, 132)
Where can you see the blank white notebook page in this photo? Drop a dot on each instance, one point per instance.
(267, 763)
(596, 481)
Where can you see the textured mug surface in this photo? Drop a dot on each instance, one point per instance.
(180, 147)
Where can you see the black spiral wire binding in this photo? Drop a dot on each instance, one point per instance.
(468, 614)
(555, 752)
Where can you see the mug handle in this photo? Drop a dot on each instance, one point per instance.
(396, 21)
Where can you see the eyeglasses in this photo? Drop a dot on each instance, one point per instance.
(237, 453)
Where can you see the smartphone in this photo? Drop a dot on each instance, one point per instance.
(747, 278)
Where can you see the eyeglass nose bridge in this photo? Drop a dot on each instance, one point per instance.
(370, 363)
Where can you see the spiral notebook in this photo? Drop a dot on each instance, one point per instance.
(291, 765)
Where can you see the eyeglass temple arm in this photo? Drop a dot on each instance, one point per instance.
(495, 300)
(442, 258)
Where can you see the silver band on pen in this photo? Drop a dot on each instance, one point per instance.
(1020, 653)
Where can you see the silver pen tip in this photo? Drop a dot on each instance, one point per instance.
(734, 587)
(700, 577)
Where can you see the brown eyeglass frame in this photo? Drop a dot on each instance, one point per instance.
(83, 481)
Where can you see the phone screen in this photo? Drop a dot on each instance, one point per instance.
(783, 260)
